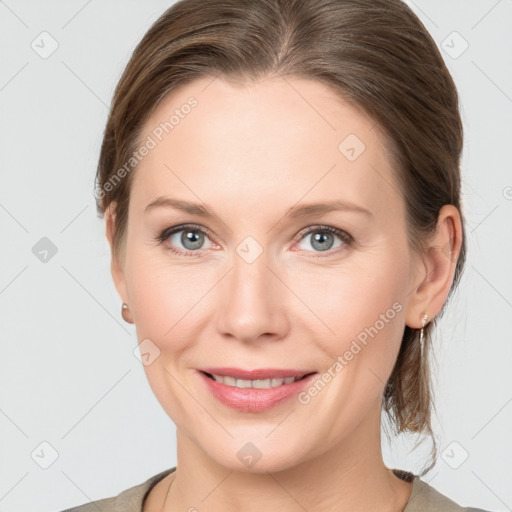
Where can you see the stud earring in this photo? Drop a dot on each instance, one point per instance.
(125, 313)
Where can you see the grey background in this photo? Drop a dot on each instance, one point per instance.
(68, 375)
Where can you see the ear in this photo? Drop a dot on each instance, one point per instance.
(436, 268)
(116, 267)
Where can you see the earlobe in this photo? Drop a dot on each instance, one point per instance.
(438, 263)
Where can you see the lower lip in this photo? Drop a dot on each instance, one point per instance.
(252, 399)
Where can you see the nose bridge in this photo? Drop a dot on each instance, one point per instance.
(251, 304)
(250, 273)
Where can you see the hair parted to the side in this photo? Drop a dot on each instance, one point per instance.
(375, 53)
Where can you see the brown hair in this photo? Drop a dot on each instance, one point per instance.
(375, 53)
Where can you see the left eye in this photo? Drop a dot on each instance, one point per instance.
(324, 238)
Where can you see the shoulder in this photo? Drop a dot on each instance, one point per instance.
(105, 505)
(426, 498)
(130, 499)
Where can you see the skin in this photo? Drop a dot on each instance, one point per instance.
(249, 153)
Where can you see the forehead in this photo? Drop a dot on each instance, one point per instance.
(282, 137)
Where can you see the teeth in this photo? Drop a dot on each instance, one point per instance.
(258, 384)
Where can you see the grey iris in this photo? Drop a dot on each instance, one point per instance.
(318, 241)
(196, 238)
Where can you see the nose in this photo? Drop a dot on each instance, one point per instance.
(252, 301)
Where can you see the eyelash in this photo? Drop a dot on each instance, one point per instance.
(343, 235)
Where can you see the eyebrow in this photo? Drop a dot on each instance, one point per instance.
(294, 212)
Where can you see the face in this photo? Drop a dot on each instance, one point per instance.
(260, 282)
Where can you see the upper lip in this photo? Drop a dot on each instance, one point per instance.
(257, 374)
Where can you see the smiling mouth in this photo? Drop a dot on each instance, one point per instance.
(256, 384)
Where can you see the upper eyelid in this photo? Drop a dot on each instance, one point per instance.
(166, 233)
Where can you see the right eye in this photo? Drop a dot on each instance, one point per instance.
(189, 236)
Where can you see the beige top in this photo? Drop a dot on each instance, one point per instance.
(423, 498)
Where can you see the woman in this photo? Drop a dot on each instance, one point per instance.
(243, 136)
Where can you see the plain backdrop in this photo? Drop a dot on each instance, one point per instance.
(78, 419)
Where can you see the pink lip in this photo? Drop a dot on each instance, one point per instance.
(264, 373)
(252, 399)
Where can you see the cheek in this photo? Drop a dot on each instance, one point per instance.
(167, 297)
(365, 317)
(357, 311)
